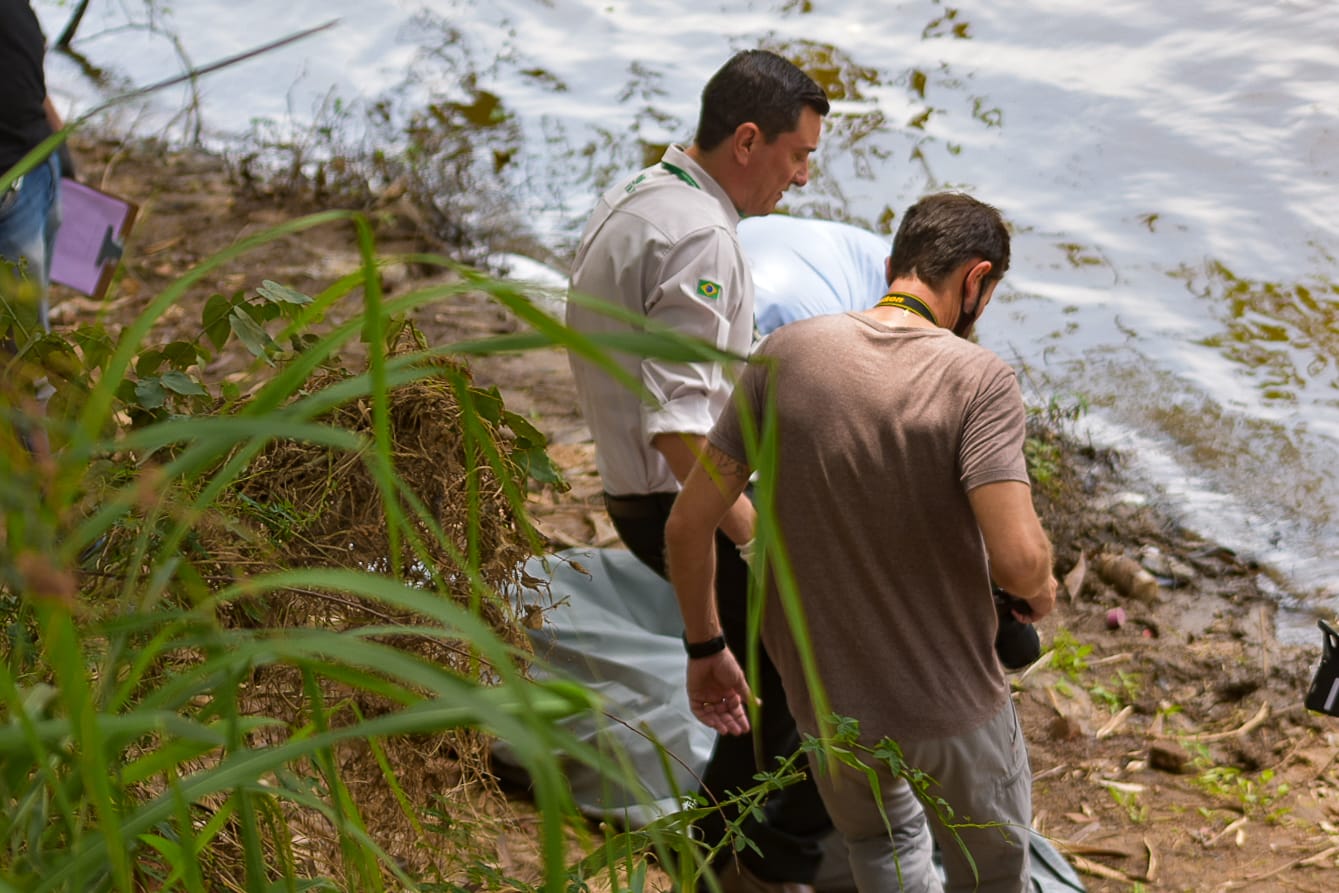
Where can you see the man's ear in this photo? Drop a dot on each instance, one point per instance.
(746, 138)
(888, 270)
(978, 274)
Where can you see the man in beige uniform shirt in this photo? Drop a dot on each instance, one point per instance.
(901, 493)
(663, 246)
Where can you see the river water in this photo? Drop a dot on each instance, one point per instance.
(1169, 171)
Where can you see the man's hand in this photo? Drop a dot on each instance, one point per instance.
(1044, 602)
(718, 693)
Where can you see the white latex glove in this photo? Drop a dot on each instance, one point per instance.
(746, 552)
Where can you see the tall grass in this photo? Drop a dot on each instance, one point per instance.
(133, 752)
(136, 748)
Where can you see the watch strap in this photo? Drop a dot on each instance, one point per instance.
(704, 649)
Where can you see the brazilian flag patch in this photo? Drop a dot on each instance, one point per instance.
(708, 289)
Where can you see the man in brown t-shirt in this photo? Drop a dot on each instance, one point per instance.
(901, 494)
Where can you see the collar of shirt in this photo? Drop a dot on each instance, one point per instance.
(678, 157)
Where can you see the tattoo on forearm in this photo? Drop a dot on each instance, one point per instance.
(728, 472)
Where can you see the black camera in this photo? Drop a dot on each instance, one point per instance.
(1016, 643)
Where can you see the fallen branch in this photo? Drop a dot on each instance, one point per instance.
(1044, 661)
(1097, 869)
(1125, 787)
(1303, 860)
(1074, 579)
(1115, 722)
(1326, 765)
(1074, 848)
(1047, 773)
(1254, 722)
(1239, 823)
(1320, 857)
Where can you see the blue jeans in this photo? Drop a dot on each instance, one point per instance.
(29, 218)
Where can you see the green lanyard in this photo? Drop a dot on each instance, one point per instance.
(907, 302)
(681, 174)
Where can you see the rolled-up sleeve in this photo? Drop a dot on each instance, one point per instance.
(703, 291)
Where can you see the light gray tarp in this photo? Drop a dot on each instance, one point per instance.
(613, 625)
(615, 628)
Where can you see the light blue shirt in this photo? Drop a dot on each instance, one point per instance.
(803, 267)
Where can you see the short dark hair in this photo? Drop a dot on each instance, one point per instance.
(757, 86)
(945, 230)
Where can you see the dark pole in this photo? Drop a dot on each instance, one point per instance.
(63, 42)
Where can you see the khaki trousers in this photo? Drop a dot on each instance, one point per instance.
(985, 779)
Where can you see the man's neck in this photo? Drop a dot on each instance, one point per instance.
(718, 166)
(910, 303)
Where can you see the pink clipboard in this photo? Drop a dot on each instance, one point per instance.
(91, 238)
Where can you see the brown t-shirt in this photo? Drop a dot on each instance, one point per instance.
(882, 433)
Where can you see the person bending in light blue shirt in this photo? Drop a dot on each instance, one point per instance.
(802, 267)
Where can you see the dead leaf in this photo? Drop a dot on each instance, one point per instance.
(1074, 579)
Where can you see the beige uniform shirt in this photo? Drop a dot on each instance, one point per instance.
(663, 246)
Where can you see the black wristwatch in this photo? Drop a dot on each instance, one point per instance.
(704, 649)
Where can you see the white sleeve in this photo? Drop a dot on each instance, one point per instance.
(703, 293)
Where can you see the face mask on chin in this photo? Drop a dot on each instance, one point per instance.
(963, 327)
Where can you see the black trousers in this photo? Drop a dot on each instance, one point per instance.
(796, 822)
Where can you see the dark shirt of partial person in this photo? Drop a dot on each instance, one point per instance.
(23, 120)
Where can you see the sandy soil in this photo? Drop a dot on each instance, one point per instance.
(1171, 753)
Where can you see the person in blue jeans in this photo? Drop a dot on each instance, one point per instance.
(30, 205)
(29, 218)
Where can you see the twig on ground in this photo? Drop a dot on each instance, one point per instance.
(1040, 663)
(1115, 722)
(1239, 823)
(1254, 722)
(1323, 766)
(1320, 857)
(1075, 848)
(1074, 579)
(1097, 869)
(1047, 773)
(1125, 787)
(1303, 860)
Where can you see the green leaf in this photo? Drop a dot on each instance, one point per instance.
(542, 468)
(526, 433)
(488, 403)
(181, 383)
(125, 390)
(57, 357)
(95, 343)
(281, 294)
(182, 354)
(149, 393)
(256, 339)
(148, 363)
(215, 320)
(259, 311)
